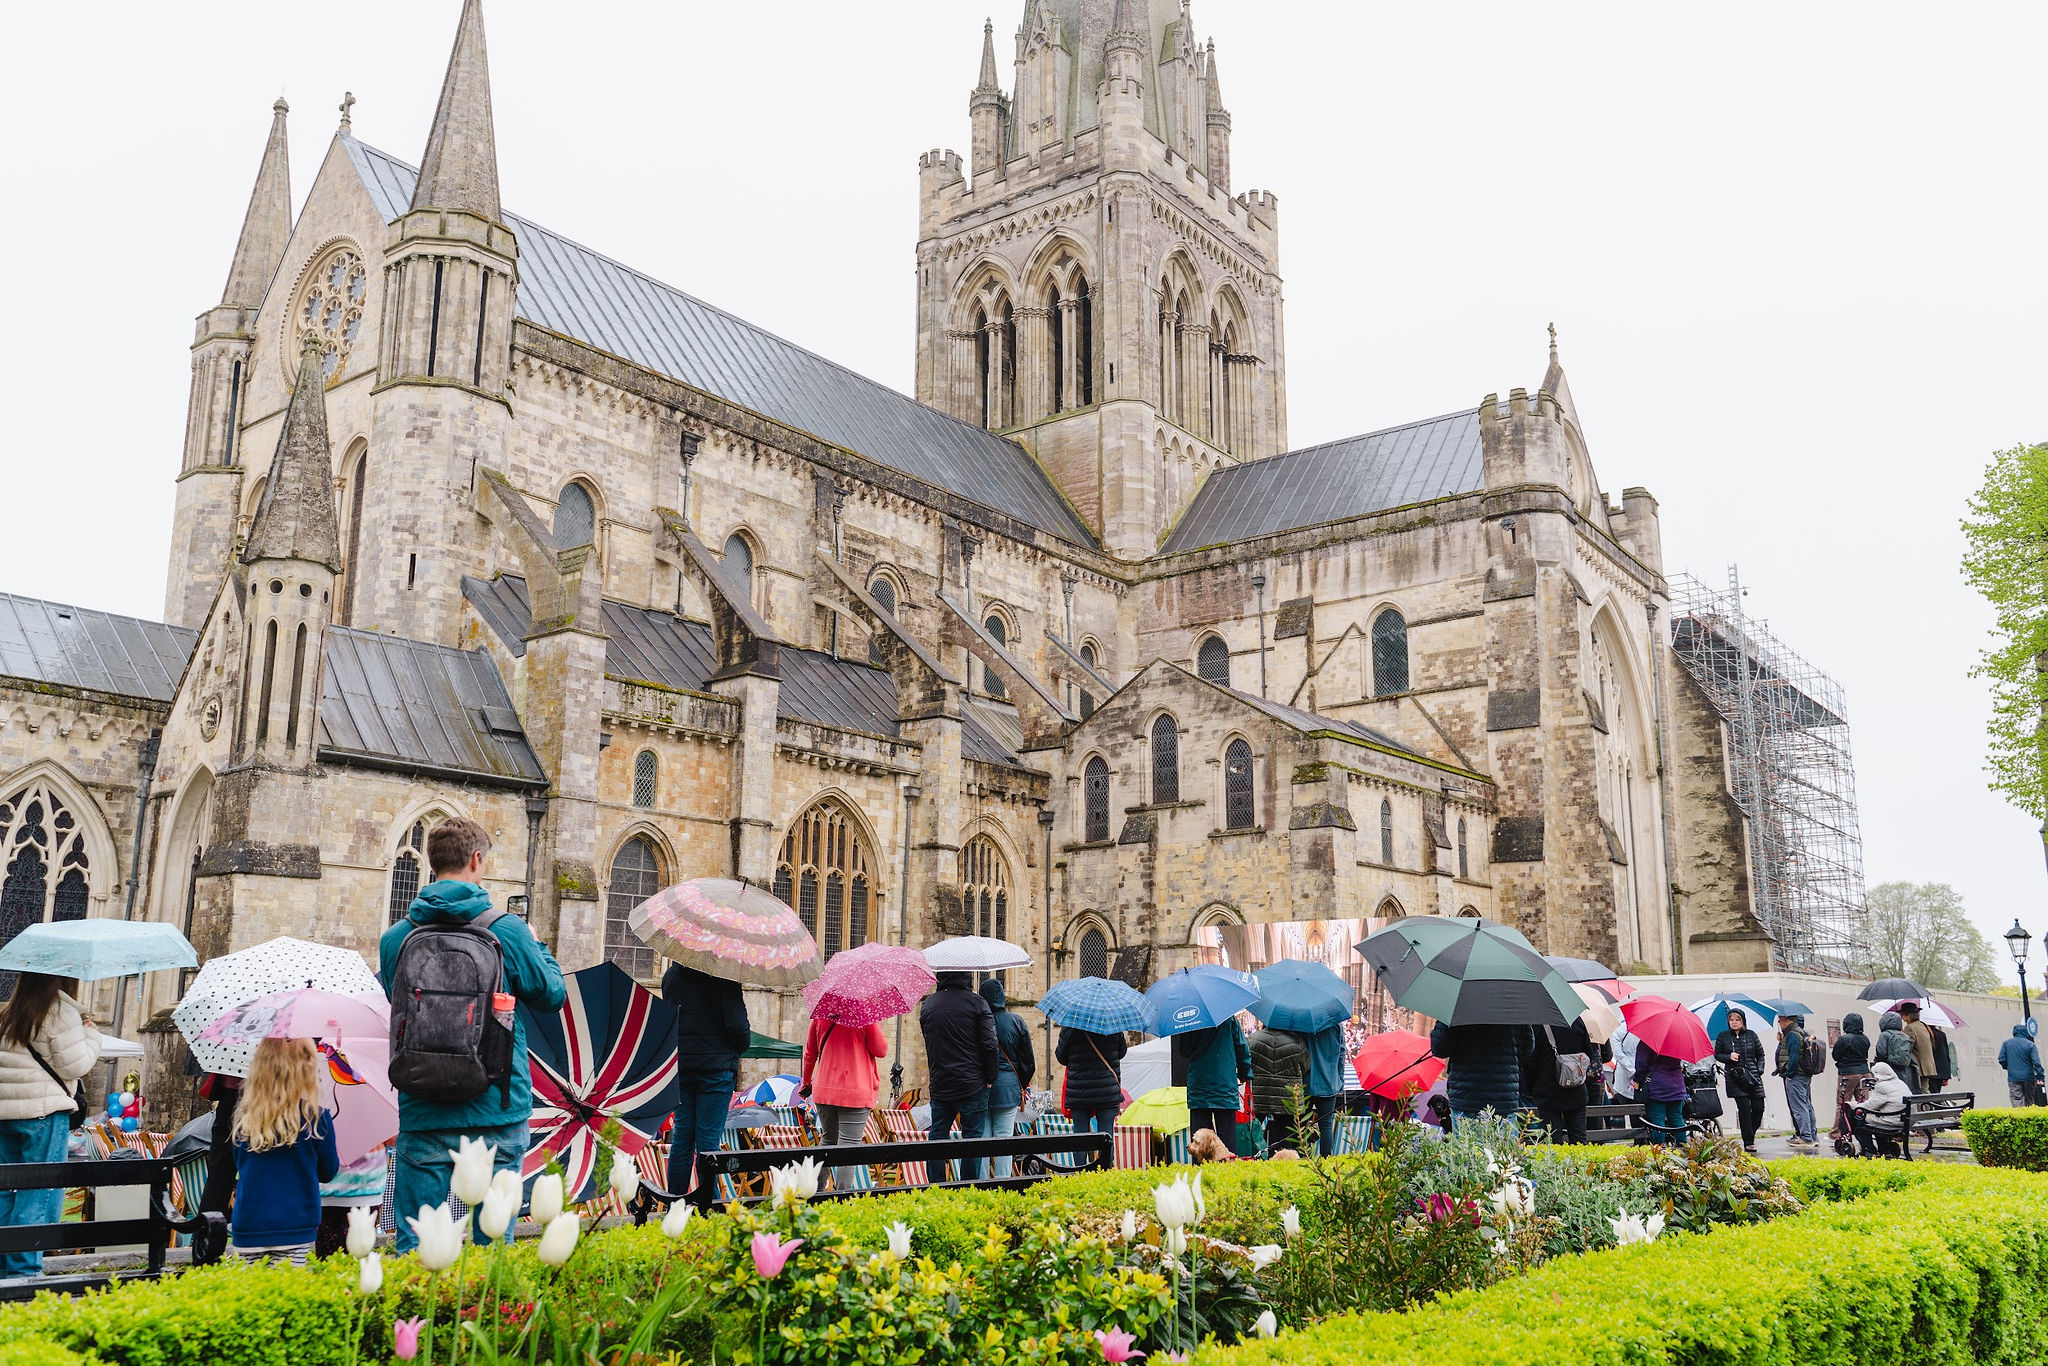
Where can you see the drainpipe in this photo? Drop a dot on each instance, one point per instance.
(1259, 587)
(911, 792)
(146, 755)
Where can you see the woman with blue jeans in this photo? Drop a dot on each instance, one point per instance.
(46, 1045)
(712, 1030)
(1095, 1089)
(1014, 1071)
(1660, 1082)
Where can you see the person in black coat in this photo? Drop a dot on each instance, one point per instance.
(1095, 1087)
(962, 1058)
(1741, 1055)
(1559, 1108)
(712, 1030)
(1486, 1062)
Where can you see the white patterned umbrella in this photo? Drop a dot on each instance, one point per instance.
(236, 979)
(976, 953)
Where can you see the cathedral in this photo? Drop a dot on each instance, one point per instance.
(1070, 648)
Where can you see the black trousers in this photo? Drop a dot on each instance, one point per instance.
(1565, 1123)
(1749, 1114)
(1224, 1122)
(1279, 1131)
(220, 1155)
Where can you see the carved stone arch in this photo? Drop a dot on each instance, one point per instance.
(1389, 908)
(1180, 275)
(1215, 915)
(628, 881)
(1044, 266)
(103, 870)
(588, 484)
(985, 283)
(1080, 949)
(1226, 794)
(434, 808)
(1468, 912)
(1227, 307)
(664, 848)
(185, 837)
(1007, 892)
(804, 876)
(1628, 679)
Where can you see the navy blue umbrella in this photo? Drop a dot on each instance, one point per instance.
(1306, 998)
(609, 1054)
(1197, 998)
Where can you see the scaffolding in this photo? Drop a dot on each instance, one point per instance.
(1790, 771)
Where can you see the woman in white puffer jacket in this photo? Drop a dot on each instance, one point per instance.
(46, 1045)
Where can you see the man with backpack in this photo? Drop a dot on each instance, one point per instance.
(1801, 1058)
(455, 969)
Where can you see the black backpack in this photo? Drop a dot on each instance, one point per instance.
(1814, 1055)
(447, 1043)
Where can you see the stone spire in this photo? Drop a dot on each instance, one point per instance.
(296, 520)
(988, 84)
(1123, 30)
(1215, 82)
(460, 168)
(267, 225)
(1555, 384)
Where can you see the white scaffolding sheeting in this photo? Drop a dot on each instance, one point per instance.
(1791, 770)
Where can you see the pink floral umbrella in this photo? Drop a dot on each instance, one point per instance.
(735, 930)
(873, 982)
(354, 1041)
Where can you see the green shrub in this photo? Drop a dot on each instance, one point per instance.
(41, 1352)
(229, 1315)
(2009, 1138)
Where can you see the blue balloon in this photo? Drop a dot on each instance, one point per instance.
(113, 1102)
(129, 1124)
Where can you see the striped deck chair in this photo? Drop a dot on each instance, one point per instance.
(900, 1126)
(1177, 1148)
(1058, 1126)
(1133, 1146)
(1354, 1134)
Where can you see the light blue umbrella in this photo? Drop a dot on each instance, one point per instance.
(1196, 998)
(92, 949)
(1306, 998)
(1713, 1011)
(1096, 1004)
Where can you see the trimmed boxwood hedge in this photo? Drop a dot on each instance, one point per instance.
(2009, 1138)
(1889, 1263)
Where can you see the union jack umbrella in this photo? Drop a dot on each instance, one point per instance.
(610, 1054)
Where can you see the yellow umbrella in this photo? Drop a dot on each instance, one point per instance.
(1601, 1018)
(1165, 1110)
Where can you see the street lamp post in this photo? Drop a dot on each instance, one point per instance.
(2017, 939)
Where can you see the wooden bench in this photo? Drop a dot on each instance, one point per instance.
(153, 1230)
(1934, 1113)
(1625, 1133)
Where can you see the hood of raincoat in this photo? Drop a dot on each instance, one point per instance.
(1892, 1020)
(1852, 1023)
(992, 992)
(2019, 1031)
(1883, 1072)
(446, 899)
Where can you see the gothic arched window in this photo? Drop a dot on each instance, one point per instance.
(1095, 800)
(827, 874)
(1386, 832)
(1464, 868)
(739, 558)
(405, 870)
(352, 570)
(1001, 635)
(636, 875)
(645, 769)
(1212, 660)
(42, 853)
(985, 887)
(1389, 654)
(1165, 760)
(1087, 698)
(575, 517)
(1094, 953)
(884, 594)
(1239, 810)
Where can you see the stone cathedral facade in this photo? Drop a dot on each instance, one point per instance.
(1072, 647)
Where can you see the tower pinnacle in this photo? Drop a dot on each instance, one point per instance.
(988, 83)
(268, 223)
(460, 168)
(296, 520)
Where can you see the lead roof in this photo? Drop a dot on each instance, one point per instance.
(79, 647)
(390, 702)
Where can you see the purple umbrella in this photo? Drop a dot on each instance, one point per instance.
(873, 982)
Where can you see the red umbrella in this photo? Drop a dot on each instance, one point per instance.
(871, 983)
(1667, 1027)
(1397, 1062)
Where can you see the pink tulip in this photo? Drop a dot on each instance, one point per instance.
(1116, 1345)
(405, 1338)
(770, 1255)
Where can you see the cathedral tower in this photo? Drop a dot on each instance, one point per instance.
(1095, 291)
(441, 407)
(209, 479)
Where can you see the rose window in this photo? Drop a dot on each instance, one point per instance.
(331, 308)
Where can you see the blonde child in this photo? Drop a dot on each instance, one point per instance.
(284, 1149)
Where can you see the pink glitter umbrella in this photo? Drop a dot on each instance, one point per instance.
(735, 930)
(873, 982)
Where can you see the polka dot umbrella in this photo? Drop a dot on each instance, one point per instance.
(233, 980)
(735, 930)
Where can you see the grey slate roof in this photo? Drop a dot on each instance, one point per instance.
(77, 647)
(1348, 478)
(571, 289)
(388, 702)
(653, 646)
(1311, 721)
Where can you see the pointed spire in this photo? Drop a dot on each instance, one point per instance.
(1555, 384)
(988, 58)
(460, 168)
(296, 520)
(1215, 81)
(267, 225)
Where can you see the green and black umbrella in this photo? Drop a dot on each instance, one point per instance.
(1469, 971)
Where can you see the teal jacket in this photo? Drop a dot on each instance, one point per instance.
(1218, 1059)
(1326, 1061)
(531, 974)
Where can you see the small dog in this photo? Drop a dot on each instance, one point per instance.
(1205, 1146)
(1283, 1155)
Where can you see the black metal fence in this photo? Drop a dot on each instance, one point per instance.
(154, 1230)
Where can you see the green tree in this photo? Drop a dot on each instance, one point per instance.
(2007, 562)
(1920, 930)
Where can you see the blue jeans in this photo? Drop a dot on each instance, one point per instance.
(973, 1117)
(1666, 1118)
(1326, 1123)
(31, 1140)
(1799, 1096)
(701, 1108)
(1002, 1123)
(1102, 1121)
(425, 1168)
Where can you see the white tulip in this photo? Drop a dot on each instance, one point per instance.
(1176, 1240)
(1198, 1207)
(677, 1219)
(440, 1237)
(797, 1181)
(474, 1160)
(1264, 1255)
(1631, 1228)
(1175, 1203)
(497, 1211)
(1266, 1325)
(558, 1239)
(370, 1274)
(1290, 1222)
(1654, 1227)
(625, 1177)
(1130, 1225)
(362, 1232)
(899, 1239)
(546, 1205)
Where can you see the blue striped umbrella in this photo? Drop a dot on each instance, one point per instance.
(1096, 1004)
(1713, 1011)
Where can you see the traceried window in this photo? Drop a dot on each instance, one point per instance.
(1464, 868)
(985, 888)
(884, 594)
(1165, 760)
(1094, 953)
(645, 769)
(42, 850)
(331, 306)
(1239, 810)
(827, 874)
(1386, 832)
(405, 870)
(1087, 698)
(636, 875)
(1212, 661)
(1095, 800)
(990, 680)
(1389, 654)
(575, 517)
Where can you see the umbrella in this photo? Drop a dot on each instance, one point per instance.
(728, 929)
(235, 979)
(1197, 998)
(976, 953)
(749, 1117)
(1468, 970)
(874, 982)
(609, 1053)
(1096, 1004)
(355, 1087)
(1304, 997)
(1601, 1018)
(1576, 970)
(1163, 1111)
(763, 1046)
(92, 949)
(1713, 1011)
(1785, 1007)
(1668, 1027)
(1931, 1011)
(1397, 1061)
(355, 1049)
(1892, 989)
(777, 1090)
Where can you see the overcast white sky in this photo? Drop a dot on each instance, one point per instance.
(1793, 254)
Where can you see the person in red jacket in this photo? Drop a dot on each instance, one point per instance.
(840, 1077)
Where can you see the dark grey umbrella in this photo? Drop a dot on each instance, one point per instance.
(1469, 971)
(1891, 989)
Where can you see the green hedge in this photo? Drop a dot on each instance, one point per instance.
(41, 1352)
(230, 1315)
(1890, 1263)
(2009, 1138)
